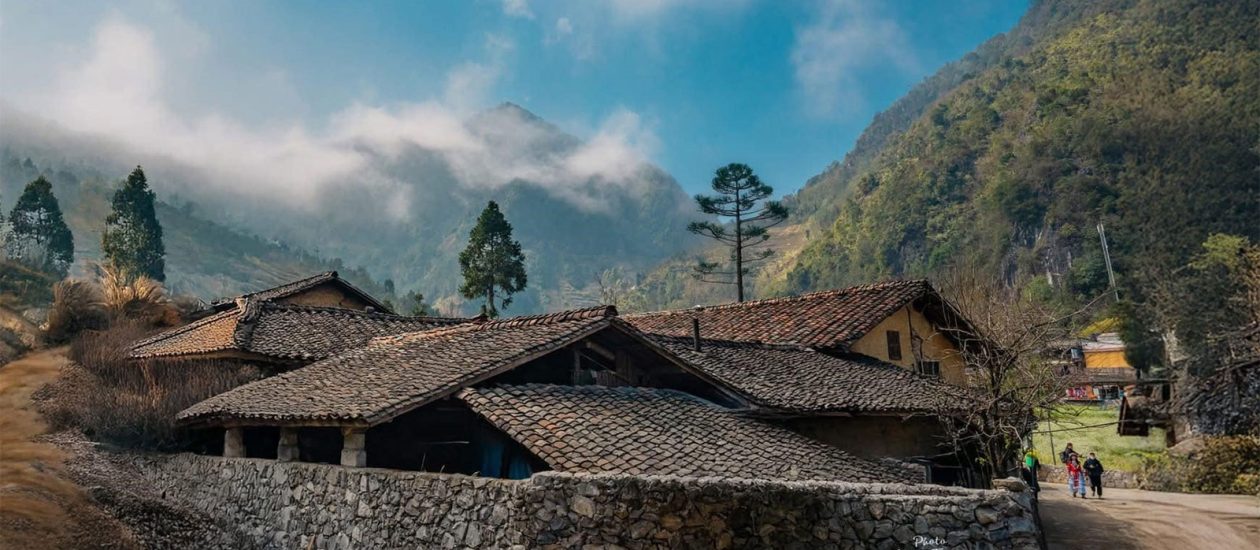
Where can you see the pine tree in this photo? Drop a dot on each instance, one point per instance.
(38, 235)
(132, 241)
(419, 308)
(741, 198)
(492, 261)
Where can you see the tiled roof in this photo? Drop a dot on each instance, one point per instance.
(830, 319)
(281, 331)
(389, 376)
(665, 432)
(1118, 375)
(288, 289)
(798, 379)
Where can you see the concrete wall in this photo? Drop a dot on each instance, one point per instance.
(935, 346)
(297, 505)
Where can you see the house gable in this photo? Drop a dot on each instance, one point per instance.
(913, 338)
(331, 294)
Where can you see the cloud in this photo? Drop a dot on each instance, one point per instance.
(585, 28)
(564, 26)
(847, 39)
(116, 89)
(517, 8)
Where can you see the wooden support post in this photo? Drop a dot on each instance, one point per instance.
(354, 447)
(287, 450)
(234, 443)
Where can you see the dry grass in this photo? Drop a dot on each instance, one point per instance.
(33, 495)
(77, 306)
(111, 298)
(139, 299)
(129, 404)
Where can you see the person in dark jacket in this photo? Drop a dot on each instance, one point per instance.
(1095, 470)
(1067, 452)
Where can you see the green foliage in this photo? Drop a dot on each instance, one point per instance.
(743, 198)
(1091, 428)
(132, 240)
(21, 286)
(1225, 465)
(418, 307)
(1140, 114)
(205, 258)
(492, 262)
(38, 235)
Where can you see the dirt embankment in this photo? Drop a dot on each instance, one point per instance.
(1133, 519)
(39, 506)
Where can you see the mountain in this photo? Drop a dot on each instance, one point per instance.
(1142, 115)
(578, 207)
(204, 258)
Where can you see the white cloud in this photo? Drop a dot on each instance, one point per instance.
(116, 90)
(585, 27)
(564, 26)
(830, 54)
(517, 8)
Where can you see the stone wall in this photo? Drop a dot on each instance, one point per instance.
(297, 505)
(1111, 478)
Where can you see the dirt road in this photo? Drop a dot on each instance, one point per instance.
(39, 506)
(1133, 519)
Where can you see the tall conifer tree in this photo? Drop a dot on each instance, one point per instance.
(132, 241)
(492, 263)
(38, 234)
(741, 198)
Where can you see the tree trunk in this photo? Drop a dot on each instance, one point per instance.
(739, 252)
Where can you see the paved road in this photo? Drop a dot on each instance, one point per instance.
(1132, 519)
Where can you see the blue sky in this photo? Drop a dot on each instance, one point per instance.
(783, 86)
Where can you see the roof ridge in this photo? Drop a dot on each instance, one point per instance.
(597, 312)
(782, 299)
(593, 312)
(185, 328)
(268, 305)
(722, 342)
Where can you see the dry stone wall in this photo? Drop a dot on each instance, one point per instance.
(295, 505)
(1110, 478)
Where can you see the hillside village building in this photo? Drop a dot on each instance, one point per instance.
(842, 385)
(1098, 366)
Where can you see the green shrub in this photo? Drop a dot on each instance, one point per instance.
(1227, 464)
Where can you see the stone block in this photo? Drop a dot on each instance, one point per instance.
(234, 443)
(287, 449)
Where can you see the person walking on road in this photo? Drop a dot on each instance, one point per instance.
(1095, 470)
(1076, 476)
(1031, 465)
(1067, 453)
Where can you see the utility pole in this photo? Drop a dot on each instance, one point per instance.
(1111, 275)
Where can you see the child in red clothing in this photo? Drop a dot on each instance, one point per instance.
(1076, 476)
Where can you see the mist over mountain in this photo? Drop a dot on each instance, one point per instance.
(417, 181)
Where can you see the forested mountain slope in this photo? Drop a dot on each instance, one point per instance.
(1143, 115)
(204, 258)
(820, 202)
